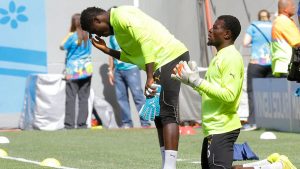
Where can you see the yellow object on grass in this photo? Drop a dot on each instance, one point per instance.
(96, 127)
(50, 162)
(3, 153)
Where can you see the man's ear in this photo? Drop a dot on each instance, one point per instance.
(227, 35)
(96, 20)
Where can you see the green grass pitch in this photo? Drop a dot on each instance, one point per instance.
(125, 149)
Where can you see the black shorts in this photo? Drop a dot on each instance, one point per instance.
(217, 150)
(169, 95)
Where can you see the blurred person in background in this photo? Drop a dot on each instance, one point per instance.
(298, 12)
(123, 76)
(285, 36)
(258, 36)
(78, 73)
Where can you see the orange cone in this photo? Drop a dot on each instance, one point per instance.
(187, 130)
(94, 122)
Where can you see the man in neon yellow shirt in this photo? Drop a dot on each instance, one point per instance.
(220, 91)
(148, 44)
(285, 35)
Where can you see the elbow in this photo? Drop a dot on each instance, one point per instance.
(245, 44)
(247, 40)
(230, 99)
(229, 102)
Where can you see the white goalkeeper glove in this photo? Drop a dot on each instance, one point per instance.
(187, 73)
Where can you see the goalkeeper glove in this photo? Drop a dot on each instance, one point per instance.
(187, 73)
(151, 108)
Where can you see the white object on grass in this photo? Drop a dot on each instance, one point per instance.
(4, 140)
(268, 136)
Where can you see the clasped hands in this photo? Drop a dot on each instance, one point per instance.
(187, 73)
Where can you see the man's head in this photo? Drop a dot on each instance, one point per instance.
(286, 7)
(264, 15)
(96, 21)
(224, 31)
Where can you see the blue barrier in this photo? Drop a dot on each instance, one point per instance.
(23, 52)
(276, 106)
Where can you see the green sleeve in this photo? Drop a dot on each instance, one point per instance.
(230, 83)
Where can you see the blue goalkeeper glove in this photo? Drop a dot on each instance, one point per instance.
(157, 105)
(297, 92)
(151, 108)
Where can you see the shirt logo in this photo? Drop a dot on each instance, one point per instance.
(157, 78)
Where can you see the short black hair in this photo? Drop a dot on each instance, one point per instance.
(231, 23)
(88, 15)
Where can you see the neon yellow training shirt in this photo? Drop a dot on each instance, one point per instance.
(221, 92)
(142, 39)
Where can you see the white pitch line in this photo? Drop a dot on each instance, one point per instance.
(196, 162)
(22, 160)
(179, 159)
(33, 162)
(188, 161)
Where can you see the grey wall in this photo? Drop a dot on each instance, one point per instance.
(276, 106)
(179, 16)
(184, 18)
(246, 11)
(59, 14)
